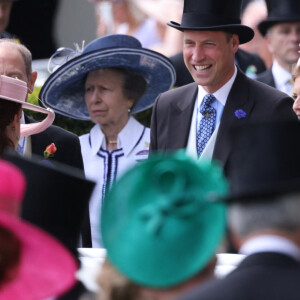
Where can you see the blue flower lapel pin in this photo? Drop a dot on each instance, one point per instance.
(240, 114)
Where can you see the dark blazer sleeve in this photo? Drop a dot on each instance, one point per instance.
(67, 144)
(153, 131)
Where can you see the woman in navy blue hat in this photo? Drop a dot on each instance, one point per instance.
(113, 78)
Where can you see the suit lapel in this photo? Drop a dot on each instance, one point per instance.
(37, 140)
(238, 98)
(180, 116)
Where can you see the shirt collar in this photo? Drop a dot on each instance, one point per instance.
(281, 76)
(222, 93)
(271, 243)
(127, 138)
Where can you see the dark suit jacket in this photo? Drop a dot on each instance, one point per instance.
(68, 152)
(267, 77)
(261, 276)
(244, 60)
(67, 144)
(172, 113)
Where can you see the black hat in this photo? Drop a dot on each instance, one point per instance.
(56, 198)
(280, 11)
(214, 15)
(265, 160)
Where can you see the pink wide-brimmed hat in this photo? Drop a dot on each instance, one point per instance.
(16, 90)
(46, 267)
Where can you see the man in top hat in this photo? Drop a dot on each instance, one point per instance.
(197, 115)
(282, 33)
(263, 215)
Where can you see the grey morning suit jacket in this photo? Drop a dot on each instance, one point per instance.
(173, 110)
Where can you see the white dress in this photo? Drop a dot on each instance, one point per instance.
(105, 167)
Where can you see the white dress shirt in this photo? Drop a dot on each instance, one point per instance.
(271, 243)
(282, 78)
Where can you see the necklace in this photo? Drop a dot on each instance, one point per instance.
(113, 142)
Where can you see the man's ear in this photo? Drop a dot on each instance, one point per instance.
(31, 82)
(235, 42)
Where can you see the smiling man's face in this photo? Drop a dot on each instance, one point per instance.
(209, 57)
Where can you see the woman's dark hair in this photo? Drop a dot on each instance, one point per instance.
(134, 86)
(10, 253)
(8, 110)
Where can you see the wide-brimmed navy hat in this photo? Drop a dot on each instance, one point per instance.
(214, 15)
(280, 11)
(64, 89)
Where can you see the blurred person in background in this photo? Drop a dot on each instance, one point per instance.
(5, 10)
(127, 17)
(296, 89)
(254, 12)
(281, 30)
(263, 215)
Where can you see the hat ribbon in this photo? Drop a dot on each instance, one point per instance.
(156, 215)
(63, 55)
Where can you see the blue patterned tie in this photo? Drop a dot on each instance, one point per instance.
(206, 125)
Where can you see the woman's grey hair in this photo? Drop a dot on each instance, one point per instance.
(26, 54)
(279, 213)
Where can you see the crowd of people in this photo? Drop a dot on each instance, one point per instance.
(217, 170)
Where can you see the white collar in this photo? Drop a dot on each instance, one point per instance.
(127, 138)
(222, 93)
(271, 243)
(281, 76)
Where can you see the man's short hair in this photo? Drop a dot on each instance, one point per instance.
(26, 54)
(282, 212)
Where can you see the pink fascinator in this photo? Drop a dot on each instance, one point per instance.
(46, 268)
(16, 90)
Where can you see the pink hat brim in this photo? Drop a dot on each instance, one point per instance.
(15, 90)
(47, 268)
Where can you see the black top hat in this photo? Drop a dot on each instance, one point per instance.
(56, 198)
(214, 15)
(280, 11)
(265, 160)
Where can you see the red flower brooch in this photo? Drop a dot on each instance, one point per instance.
(50, 150)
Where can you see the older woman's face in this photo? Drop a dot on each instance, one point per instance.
(296, 96)
(104, 97)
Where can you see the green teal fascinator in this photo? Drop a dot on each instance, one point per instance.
(162, 221)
